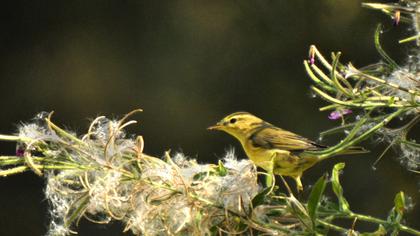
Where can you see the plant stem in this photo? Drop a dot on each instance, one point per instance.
(332, 226)
(379, 221)
(341, 146)
(14, 138)
(365, 218)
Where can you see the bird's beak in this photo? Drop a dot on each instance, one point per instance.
(217, 126)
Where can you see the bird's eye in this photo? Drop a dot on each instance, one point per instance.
(232, 121)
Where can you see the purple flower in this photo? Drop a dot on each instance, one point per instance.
(335, 115)
(312, 60)
(312, 55)
(20, 152)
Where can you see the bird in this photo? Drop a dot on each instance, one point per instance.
(275, 150)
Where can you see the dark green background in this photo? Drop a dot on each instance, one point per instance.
(187, 64)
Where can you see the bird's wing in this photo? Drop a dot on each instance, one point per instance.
(272, 137)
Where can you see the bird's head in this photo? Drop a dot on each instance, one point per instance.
(238, 124)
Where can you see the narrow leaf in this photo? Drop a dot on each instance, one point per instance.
(222, 169)
(77, 209)
(260, 197)
(338, 190)
(378, 46)
(399, 202)
(315, 196)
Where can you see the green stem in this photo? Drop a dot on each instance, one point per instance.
(322, 75)
(382, 222)
(335, 79)
(315, 78)
(347, 126)
(332, 226)
(360, 103)
(378, 46)
(14, 138)
(63, 133)
(329, 107)
(412, 144)
(342, 146)
(12, 171)
(412, 38)
(365, 218)
(15, 160)
(360, 75)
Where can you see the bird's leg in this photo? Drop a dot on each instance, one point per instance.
(269, 177)
(299, 185)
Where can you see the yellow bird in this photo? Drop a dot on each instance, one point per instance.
(275, 150)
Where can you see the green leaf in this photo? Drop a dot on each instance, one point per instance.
(338, 190)
(222, 169)
(396, 214)
(378, 46)
(399, 203)
(77, 209)
(200, 176)
(298, 210)
(260, 197)
(315, 196)
(198, 219)
(391, 100)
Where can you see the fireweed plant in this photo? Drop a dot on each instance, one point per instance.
(378, 93)
(104, 176)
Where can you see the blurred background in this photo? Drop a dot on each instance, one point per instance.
(187, 64)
